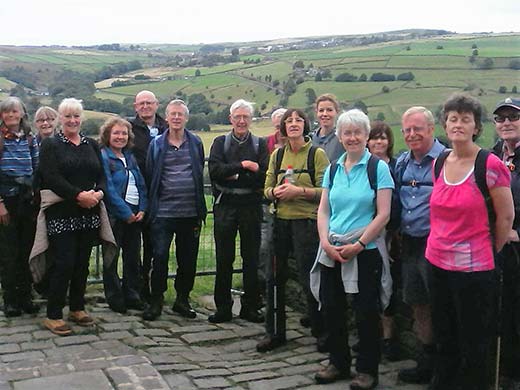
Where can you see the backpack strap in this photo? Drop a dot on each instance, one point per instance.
(227, 143)
(332, 172)
(439, 163)
(254, 139)
(278, 161)
(480, 179)
(311, 166)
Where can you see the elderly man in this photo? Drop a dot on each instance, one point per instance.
(146, 125)
(507, 123)
(177, 207)
(414, 186)
(327, 109)
(237, 166)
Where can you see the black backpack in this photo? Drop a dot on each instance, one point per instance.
(480, 179)
(310, 170)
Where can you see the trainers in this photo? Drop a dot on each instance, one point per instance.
(220, 316)
(251, 315)
(59, 327)
(363, 382)
(269, 343)
(331, 374)
(81, 318)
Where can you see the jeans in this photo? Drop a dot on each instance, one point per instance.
(187, 233)
(128, 238)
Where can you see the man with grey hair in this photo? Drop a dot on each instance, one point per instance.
(237, 167)
(413, 175)
(176, 207)
(146, 125)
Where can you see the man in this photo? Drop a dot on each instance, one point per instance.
(276, 139)
(413, 188)
(327, 109)
(507, 123)
(237, 166)
(176, 207)
(146, 125)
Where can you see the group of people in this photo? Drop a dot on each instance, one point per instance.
(335, 199)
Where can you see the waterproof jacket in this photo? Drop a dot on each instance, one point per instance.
(117, 181)
(154, 169)
(514, 167)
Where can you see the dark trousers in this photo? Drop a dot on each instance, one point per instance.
(71, 254)
(228, 220)
(463, 317)
(301, 236)
(128, 238)
(366, 305)
(16, 241)
(187, 233)
(509, 260)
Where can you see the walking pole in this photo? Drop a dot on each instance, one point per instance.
(499, 326)
(275, 276)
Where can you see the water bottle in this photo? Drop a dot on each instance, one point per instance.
(289, 175)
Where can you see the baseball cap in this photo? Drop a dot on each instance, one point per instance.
(509, 102)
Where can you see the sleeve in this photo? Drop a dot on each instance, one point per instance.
(497, 174)
(35, 153)
(101, 180)
(52, 177)
(116, 205)
(270, 179)
(384, 177)
(150, 161)
(263, 161)
(321, 163)
(219, 168)
(325, 183)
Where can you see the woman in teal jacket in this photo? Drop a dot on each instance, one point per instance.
(126, 201)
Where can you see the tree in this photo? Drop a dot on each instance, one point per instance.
(488, 63)
(311, 95)
(298, 65)
(198, 122)
(514, 89)
(318, 77)
(198, 103)
(197, 73)
(440, 47)
(18, 91)
(345, 77)
(326, 74)
(408, 48)
(363, 77)
(234, 52)
(360, 105)
(514, 64)
(378, 76)
(407, 76)
(474, 52)
(474, 46)
(290, 87)
(472, 59)
(502, 89)
(380, 116)
(385, 89)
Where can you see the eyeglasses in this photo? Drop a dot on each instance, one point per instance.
(512, 117)
(241, 117)
(295, 120)
(414, 129)
(48, 120)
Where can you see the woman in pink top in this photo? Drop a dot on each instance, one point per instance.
(460, 246)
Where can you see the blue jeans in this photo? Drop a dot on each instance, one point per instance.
(187, 233)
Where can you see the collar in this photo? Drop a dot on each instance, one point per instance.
(433, 153)
(63, 138)
(328, 136)
(362, 161)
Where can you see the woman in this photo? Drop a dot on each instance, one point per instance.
(71, 167)
(45, 121)
(507, 124)
(18, 161)
(354, 209)
(460, 247)
(126, 203)
(296, 200)
(381, 144)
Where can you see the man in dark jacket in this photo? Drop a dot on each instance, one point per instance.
(176, 207)
(237, 166)
(507, 123)
(146, 125)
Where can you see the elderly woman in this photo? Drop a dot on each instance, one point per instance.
(296, 198)
(354, 209)
(126, 203)
(71, 167)
(45, 121)
(471, 213)
(18, 161)
(507, 124)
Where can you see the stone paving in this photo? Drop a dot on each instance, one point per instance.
(124, 352)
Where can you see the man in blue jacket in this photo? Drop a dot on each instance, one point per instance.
(177, 207)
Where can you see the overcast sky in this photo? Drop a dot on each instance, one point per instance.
(85, 22)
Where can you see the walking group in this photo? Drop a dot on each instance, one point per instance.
(438, 225)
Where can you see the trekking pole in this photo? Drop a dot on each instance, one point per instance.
(499, 325)
(275, 275)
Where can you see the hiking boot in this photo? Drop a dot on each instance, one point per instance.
(363, 382)
(220, 316)
(154, 309)
(11, 310)
(269, 343)
(251, 315)
(184, 308)
(331, 374)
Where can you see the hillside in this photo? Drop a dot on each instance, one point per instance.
(427, 66)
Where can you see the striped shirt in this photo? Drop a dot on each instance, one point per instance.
(177, 189)
(18, 160)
